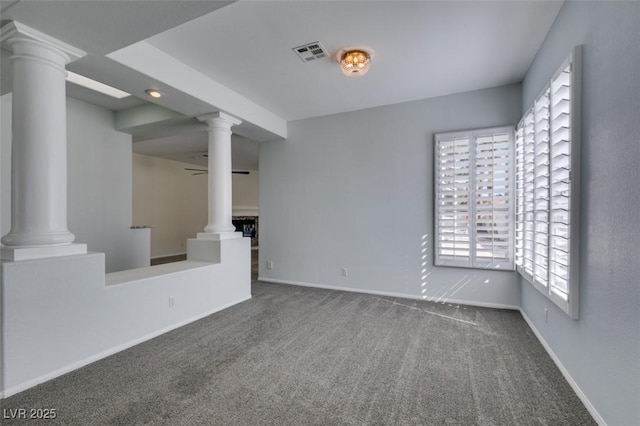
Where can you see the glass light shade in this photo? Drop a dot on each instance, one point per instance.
(355, 63)
(153, 93)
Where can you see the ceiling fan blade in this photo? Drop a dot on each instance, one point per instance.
(205, 171)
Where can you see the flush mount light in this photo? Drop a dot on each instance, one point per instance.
(83, 81)
(153, 93)
(354, 62)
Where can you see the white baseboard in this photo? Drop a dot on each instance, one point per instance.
(391, 294)
(93, 358)
(592, 410)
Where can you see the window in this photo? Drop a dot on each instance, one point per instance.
(474, 198)
(478, 172)
(547, 179)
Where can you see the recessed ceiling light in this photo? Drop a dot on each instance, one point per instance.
(83, 81)
(153, 93)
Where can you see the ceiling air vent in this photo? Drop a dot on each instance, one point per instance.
(310, 51)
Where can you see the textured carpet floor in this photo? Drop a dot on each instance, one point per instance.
(300, 356)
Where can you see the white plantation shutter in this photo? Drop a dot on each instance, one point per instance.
(529, 178)
(547, 164)
(520, 210)
(561, 182)
(541, 190)
(493, 206)
(452, 199)
(474, 198)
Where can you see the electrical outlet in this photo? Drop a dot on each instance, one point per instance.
(172, 301)
(269, 264)
(546, 315)
(345, 272)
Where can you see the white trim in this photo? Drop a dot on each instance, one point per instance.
(93, 358)
(246, 211)
(576, 155)
(19, 30)
(168, 255)
(588, 405)
(390, 294)
(219, 115)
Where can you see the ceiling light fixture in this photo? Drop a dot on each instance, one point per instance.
(354, 62)
(153, 93)
(83, 81)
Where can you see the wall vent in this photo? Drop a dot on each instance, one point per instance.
(310, 51)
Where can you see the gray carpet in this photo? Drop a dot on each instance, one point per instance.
(299, 356)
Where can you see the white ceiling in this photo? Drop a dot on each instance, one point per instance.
(423, 49)
(452, 47)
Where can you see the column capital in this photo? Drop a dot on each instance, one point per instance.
(14, 32)
(214, 118)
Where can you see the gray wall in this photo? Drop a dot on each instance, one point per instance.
(601, 350)
(355, 190)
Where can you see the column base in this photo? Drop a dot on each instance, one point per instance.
(202, 250)
(35, 252)
(218, 235)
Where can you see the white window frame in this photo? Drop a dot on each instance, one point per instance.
(470, 225)
(547, 236)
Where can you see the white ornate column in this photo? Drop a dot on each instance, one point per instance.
(39, 145)
(220, 186)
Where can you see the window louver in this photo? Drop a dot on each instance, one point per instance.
(541, 190)
(529, 178)
(547, 162)
(474, 192)
(493, 194)
(561, 182)
(520, 204)
(454, 188)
